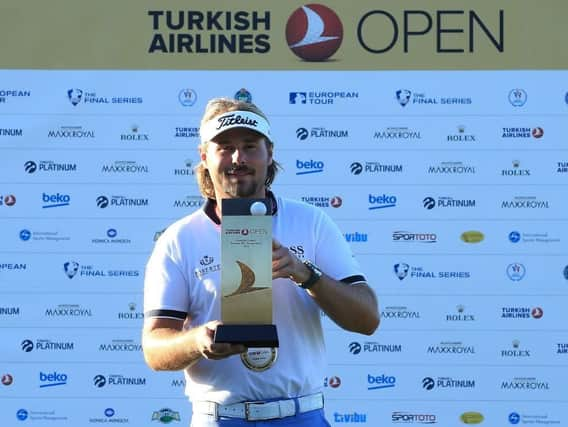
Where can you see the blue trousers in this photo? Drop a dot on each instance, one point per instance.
(308, 419)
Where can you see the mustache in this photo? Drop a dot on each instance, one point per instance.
(239, 169)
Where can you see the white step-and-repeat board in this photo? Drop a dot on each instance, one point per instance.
(450, 185)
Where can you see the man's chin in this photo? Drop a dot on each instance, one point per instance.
(241, 191)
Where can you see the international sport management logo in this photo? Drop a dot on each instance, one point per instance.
(314, 32)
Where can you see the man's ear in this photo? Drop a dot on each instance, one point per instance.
(202, 154)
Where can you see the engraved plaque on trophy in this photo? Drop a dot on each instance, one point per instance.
(246, 274)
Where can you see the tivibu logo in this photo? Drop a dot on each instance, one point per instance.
(314, 32)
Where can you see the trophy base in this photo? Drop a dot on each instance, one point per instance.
(256, 336)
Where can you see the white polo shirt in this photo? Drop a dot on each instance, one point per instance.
(183, 279)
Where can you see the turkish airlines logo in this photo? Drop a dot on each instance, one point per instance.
(314, 32)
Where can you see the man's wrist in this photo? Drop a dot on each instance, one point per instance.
(314, 276)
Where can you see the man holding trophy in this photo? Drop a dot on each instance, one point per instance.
(227, 300)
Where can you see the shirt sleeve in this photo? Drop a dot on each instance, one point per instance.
(166, 287)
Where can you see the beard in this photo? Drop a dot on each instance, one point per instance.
(247, 186)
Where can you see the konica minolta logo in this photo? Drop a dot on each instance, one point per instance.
(382, 201)
(304, 167)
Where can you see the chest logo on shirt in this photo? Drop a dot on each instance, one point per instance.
(206, 267)
(206, 260)
(297, 250)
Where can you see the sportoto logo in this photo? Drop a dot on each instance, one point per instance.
(314, 32)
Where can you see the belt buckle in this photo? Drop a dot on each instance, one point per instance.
(248, 413)
(247, 409)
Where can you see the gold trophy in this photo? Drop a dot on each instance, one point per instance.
(246, 280)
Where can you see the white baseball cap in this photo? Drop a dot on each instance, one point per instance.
(234, 119)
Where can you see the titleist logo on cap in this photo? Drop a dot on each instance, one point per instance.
(232, 119)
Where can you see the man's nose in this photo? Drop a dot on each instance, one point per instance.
(239, 156)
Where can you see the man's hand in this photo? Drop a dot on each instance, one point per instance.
(214, 351)
(286, 264)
